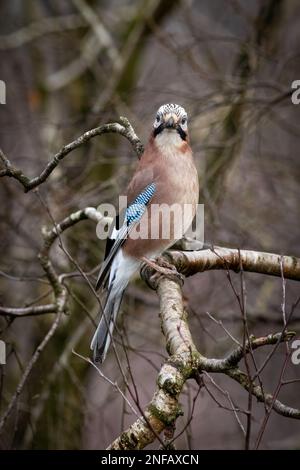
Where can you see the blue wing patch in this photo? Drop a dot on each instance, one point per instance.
(135, 211)
(133, 214)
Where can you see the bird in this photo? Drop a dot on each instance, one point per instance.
(165, 176)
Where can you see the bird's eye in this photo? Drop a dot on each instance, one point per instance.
(158, 118)
(183, 121)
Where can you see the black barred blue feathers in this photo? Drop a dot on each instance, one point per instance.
(135, 211)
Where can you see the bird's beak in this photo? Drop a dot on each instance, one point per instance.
(170, 121)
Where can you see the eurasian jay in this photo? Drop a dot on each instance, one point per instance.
(165, 175)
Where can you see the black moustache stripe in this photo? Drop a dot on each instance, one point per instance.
(181, 132)
(161, 127)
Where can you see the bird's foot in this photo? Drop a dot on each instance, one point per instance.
(161, 266)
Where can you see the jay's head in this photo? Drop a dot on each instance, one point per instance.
(171, 119)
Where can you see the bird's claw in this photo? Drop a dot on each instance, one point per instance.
(162, 267)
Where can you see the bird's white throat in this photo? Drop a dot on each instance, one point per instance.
(168, 139)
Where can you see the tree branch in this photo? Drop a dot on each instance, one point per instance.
(191, 262)
(164, 408)
(184, 363)
(40, 28)
(27, 311)
(256, 390)
(125, 129)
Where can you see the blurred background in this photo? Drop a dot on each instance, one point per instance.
(72, 65)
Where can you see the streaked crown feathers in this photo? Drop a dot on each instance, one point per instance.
(172, 108)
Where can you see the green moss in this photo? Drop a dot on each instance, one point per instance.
(172, 386)
(186, 367)
(128, 441)
(294, 263)
(166, 418)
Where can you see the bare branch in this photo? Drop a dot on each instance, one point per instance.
(221, 365)
(102, 34)
(125, 129)
(164, 409)
(83, 214)
(191, 262)
(40, 28)
(27, 311)
(61, 304)
(186, 362)
(267, 398)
